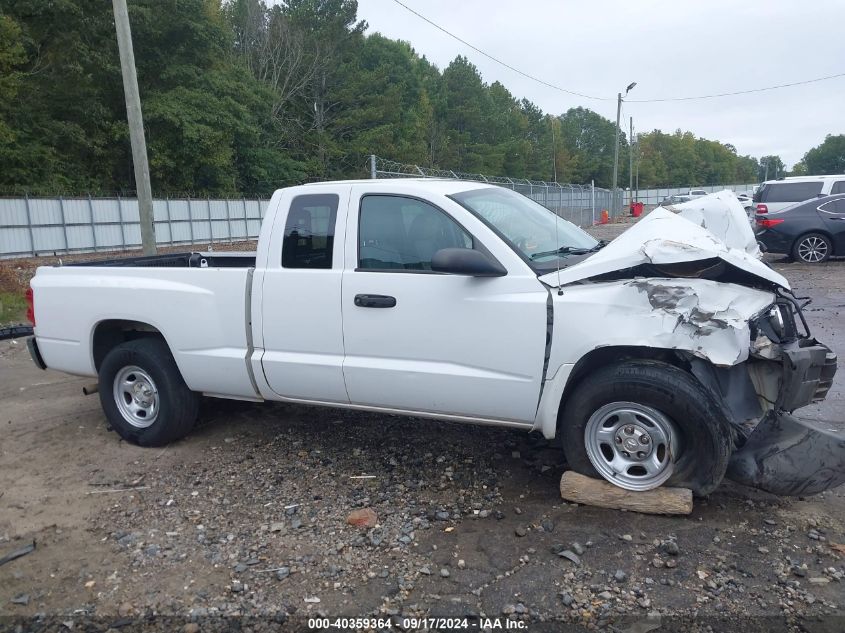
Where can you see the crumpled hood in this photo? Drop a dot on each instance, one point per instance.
(722, 215)
(662, 237)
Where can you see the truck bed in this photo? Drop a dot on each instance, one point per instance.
(231, 259)
(202, 314)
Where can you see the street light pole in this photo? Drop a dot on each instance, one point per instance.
(136, 126)
(631, 158)
(616, 145)
(554, 153)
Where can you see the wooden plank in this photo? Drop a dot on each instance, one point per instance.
(598, 492)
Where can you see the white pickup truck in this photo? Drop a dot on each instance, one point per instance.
(665, 357)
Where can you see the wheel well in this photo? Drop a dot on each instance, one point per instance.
(111, 333)
(820, 232)
(603, 356)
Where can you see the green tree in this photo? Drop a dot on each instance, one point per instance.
(799, 169)
(12, 56)
(771, 167)
(66, 136)
(464, 112)
(591, 138)
(827, 158)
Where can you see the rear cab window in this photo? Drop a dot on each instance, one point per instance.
(309, 231)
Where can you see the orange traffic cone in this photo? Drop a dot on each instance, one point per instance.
(605, 217)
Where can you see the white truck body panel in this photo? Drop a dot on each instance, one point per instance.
(301, 329)
(200, 312)
(442, 348)
(454, 347)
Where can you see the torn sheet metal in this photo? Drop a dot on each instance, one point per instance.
(709, 319)
(723, 216)
(790, 456)
(662, 237)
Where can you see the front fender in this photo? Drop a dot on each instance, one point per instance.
(708, 319)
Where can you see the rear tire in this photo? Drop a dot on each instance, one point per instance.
(812, 248)
(143, 394)
(648, 404)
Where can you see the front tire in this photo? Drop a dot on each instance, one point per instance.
(641, 424)
(812, 248)
(143, 394)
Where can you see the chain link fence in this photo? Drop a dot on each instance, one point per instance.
(580, 204)
(653, 197)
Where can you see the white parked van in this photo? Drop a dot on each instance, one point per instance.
(777, 195)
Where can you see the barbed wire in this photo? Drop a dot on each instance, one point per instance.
(395, 169)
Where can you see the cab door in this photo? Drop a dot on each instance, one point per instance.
(422, 341)
(300, 296)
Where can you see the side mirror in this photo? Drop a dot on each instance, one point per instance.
(466, 261)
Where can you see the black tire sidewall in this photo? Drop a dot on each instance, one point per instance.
(706, 439)
(796, 256)
(177, 404)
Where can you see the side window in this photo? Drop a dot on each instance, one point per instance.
(834, 207)
(309, 231)
(838, 187)
(403, 233)
(791, 191)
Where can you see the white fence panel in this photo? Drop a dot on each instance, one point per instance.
(34, 226)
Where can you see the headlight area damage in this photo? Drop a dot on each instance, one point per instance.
(776, 451)
(734, 323)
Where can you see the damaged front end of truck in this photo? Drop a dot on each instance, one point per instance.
(671, 285)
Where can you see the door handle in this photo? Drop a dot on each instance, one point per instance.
(375, 301)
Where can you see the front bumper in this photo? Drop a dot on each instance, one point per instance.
(808, 370)
(786, 455)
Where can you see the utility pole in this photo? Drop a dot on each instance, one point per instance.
(616, 151)
(136, 126)
(631, 158)
(554, 155)
(616, 145)
(637, 180)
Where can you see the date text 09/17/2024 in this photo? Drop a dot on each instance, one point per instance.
(416, 623)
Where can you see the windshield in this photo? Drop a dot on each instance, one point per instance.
(537, 234)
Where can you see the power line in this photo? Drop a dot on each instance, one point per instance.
(586, 96)
(738, 92)
(499, 61)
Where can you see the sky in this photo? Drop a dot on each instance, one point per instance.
(671, 48)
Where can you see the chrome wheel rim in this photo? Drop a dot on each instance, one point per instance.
(812, 249)
(632, 446)
(136, 396)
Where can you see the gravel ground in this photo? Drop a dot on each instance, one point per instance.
(249, 518)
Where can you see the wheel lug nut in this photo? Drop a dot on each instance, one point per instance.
(618, 440)
(629, 430)
(644, 439)
(640, 454)
(626, 453)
